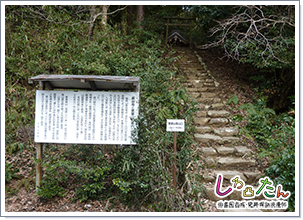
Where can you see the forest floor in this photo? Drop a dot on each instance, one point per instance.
(21, 195)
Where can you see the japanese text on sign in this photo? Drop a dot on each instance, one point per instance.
(175, 125)
(85, 117)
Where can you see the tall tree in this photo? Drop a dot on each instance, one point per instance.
(129, 19)
(104, 16)
(93, 13)
(140, 15)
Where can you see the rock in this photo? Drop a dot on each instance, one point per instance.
(253, 177)
(208, 95)
(204, 100)
(191, 89)
(208, 138)
(229, 140)
(217, 106)
(218, 114)
(208, 178)
(194, 94)
(209, 151)
(201, 121)
(203, 129)
(241, 150)
(235, 162)
(201, 114)
(210, 162)
(208, 84)
(229, 174)
(223, 151)
(226, 131)
(218, 121)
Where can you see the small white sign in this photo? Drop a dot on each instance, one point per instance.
(175, 125)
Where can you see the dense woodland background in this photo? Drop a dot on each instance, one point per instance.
(129, 41)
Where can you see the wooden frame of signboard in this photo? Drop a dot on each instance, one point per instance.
(80, 82)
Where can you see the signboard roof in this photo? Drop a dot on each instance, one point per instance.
(88, 82)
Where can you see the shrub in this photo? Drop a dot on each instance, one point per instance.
(135, 173)
(275, 135)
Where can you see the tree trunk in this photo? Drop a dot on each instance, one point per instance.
(124, 22)
(104, 16)
(93, 13)
(129, 19)
(140, 15)
(280, 101)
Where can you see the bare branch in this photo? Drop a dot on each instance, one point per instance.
(248, 28)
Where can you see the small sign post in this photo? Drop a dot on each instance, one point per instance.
(175, 125)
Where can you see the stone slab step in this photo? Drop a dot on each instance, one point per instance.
(208, 94)
(217, 106)
(208, 100)
(200, 114)
(224, 151)
(201, 121)
(242, 150)
(225, 162)
(218, 114)
(228, 131)
(208, 138)
(218, 122)
(204, 129)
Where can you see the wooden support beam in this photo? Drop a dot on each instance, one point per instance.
(50, 85)
(38, 166)
(92, 85)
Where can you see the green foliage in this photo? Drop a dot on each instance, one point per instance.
(10, 172)
(234, 99)
(275, 135)
(90, 169)
(133, 174)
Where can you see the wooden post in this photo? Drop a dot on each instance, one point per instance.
(38, 166)
(175, 159)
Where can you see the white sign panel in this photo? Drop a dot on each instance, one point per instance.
(175, 125)
(85, 117)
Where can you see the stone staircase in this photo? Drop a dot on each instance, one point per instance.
(218, 144)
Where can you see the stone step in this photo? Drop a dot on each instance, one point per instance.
(208, 100)
(203, 95)
(203, 89)
(217, 106)
(218, 114)
(200, 114)
(218, 122)
(204, 129)
(210, 138)
(225, 150)
(225, 162)
(201, 121)
(249, 177)
(228, 131)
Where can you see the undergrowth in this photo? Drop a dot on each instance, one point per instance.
(275, 138)
(133, 174)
